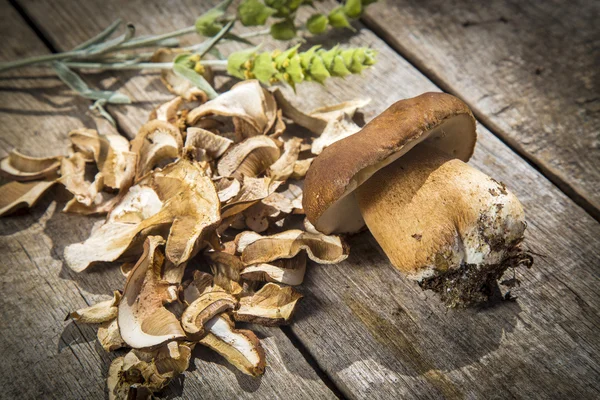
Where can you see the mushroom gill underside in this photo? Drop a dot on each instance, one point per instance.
(445, 224)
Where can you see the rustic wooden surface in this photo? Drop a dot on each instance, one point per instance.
(529, 70)
(374, 333)
(43, 356)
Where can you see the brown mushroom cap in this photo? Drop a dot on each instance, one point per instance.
(440, 119)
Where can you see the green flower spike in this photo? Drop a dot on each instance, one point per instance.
(292, 67)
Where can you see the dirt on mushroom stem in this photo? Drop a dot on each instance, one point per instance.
(470, 285)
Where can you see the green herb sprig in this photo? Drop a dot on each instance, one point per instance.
(102, 52)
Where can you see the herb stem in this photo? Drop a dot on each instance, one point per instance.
(134, 66)
(151, 40)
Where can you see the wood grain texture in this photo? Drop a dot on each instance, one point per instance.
(529, 70)
(378, 335)
(43, 356)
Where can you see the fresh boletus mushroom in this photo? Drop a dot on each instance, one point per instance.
(440, 221)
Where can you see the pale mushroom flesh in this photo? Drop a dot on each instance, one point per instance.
(444, 223)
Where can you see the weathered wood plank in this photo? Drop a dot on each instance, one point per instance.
(42, 356)
(529, 70)
(378, 335)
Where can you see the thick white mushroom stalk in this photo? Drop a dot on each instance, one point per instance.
(445, 224)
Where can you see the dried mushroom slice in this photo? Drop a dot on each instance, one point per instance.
(200, 283)
(143, 319)
(320, 248)
(272, 305)
(253, 190)
(167, 111)
(227, 188)
(288, 271)
(301, 168)
(273, 208)
(88, 197)
(110, 152)
(156, 144)
(253, 109)
(340, 126)
(294, 194)
(179, 201)
(16, 195)
(109, 336)
(226, 269)
(139, 373)
(203, 145)
(98, 313)
(318, 119)
(283, 168)
(249, 158)
(238, 346)
(204, 308)
(20, 167)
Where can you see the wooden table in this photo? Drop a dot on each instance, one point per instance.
(531, 74)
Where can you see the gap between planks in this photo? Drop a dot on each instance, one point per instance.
(291, 336)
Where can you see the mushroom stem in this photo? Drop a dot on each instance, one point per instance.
(444, 223)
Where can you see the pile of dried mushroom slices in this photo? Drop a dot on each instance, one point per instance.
(219, 182)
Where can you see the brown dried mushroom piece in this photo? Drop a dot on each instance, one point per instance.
(142, 317)
(156, 144)
(20, 167)
(226, 270)
(207, 306)
(323, 249)
(289, 271)
(110, 152)
(203, 145)
(109, 335)
(284, 167)
(101, 312)
(140, 373)
(272, 305)
(249, 158)
(252, 108)
(227, 188)
(17, 195)
(240, 347)
(332, 123)
(440, 221)
(88, 197)
(167, 111)
(253, 190)
(179, 201)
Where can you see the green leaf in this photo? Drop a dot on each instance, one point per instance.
(263, 67)
(195, 78)
(317, 24)
(254, 12)
(307, 56)
(295, 70)
(74, 81)
(337, 18)
(338, 68)
(367, 2)
(284, 30)
(286, 55)
(207, 24)
(100, 37)
(98, 106)
(353, 8)
(318, 71)
(328, 55)
(236, 61)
